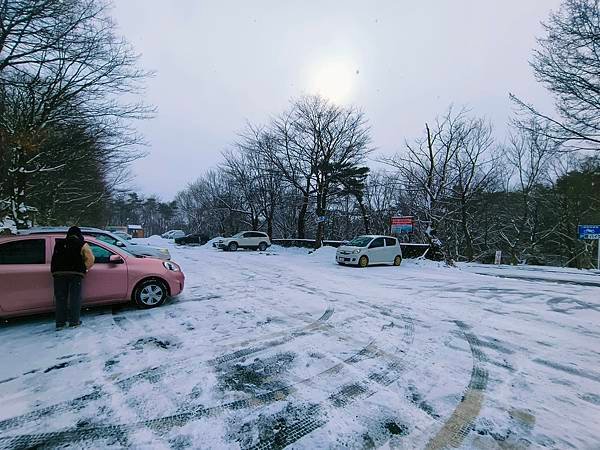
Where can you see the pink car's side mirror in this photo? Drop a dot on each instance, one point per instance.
(115, 259)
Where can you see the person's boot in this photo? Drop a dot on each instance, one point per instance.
(75, 324)
(60, 326)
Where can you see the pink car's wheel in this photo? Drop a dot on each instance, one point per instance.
(150, 294)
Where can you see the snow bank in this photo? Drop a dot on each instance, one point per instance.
(8, 223)
(210, 243)
(155, 240)
(324, 253)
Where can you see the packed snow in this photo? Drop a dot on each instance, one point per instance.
(8, 224)
(285, 347)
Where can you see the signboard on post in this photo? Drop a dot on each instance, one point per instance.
(498, 257)
(591, 232)
(402, 225)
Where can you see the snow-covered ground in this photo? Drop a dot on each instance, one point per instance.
(265, 350)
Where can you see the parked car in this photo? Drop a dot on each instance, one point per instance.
(193, 238)
(122, 234)
(172, 234)
(110, 238)
(116, 277)
(364, 250)
(256, 240)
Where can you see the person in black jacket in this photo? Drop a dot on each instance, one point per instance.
(71, 260)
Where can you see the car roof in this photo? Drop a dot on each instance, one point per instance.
(37, 230)
(92, 239)
(47, 234)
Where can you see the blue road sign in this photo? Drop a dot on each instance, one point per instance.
(589, 232)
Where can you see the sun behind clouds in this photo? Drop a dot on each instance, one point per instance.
(335, 80)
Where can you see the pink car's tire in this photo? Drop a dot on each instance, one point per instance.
(150, 293)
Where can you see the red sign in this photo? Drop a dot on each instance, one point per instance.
(402, 224)
(406, 220)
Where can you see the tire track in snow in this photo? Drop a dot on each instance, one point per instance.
(365, 387)
(154, 374)
(74, 404)
(460, 422)
(342, 397)
(165, 391)
(287, 337)
(120, 431)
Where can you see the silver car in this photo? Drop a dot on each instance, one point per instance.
(172, 234)
(364, 250)
(122, 234)
(110, 238)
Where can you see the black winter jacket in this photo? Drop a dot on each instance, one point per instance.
(67, 258)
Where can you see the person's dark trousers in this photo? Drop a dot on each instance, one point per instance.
(67, 295)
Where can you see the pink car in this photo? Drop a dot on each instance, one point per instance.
(26, 285)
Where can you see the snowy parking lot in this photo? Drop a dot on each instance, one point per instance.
(277, 348)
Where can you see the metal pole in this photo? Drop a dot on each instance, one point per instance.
(598, 263)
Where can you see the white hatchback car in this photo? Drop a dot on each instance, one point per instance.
(256, 240)
(364, 250)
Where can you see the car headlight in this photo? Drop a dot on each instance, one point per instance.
(171, 266)
(354, 252)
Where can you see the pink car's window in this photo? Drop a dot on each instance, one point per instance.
(107, 239)
(101, 255)
(30, 251)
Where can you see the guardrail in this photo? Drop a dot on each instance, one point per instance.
(409, 250)
(306, 243)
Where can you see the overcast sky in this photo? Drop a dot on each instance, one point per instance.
(219, 64)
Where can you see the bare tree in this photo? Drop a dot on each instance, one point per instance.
(257, 147)
(444, 174)
(475, 166)
(426, 169)
(529, 154)
(318, 148)
(242, 177)
(567, 62)
(384, 198)
(62, 66)
(294, 156)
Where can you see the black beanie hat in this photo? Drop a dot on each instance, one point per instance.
(75, 231)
